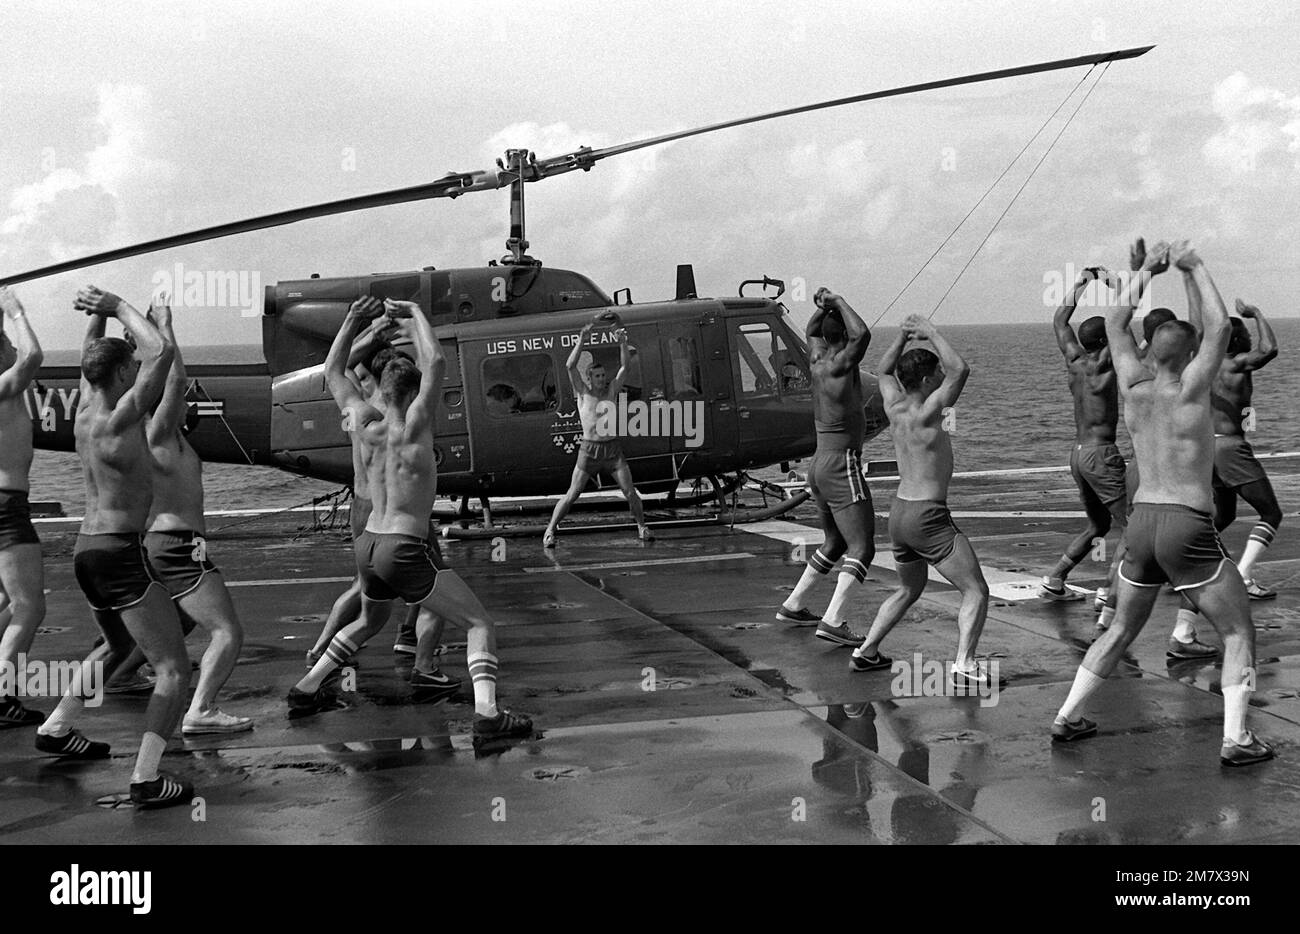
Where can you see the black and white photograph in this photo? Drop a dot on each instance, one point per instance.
(638, 424)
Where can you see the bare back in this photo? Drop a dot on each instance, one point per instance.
(116, 465)
(177, 485)
(402, 475)
(15, 443)
(1095, 389)
(1173, 441)
(1234, 389)
(923, 448)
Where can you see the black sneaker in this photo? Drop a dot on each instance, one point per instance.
(304, 704)
(1252, 752)
(163, 792)
(431, 686)
(1069, 731)
(504, 725)
(71, 745)
(797, 616)
(840, 635)
(875, 663)
(13, 713)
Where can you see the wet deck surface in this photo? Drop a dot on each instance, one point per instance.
(756, 731)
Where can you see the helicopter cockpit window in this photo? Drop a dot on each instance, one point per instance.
(754, 348)
(684, 365)
(518, 385)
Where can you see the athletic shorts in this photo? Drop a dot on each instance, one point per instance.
(835, 478)
(180, 559)
(1234, 462)
(921, 530)
(16, 520)
(597, 457)
(360, 515)
(113, 569)
(1099, 469)
(393, 566)
(1171, 542)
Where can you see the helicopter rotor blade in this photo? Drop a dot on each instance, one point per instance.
(455, 184)
(585, 157)
(449, 186)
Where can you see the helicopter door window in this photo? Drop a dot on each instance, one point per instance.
(608, 357)
(790, 365)
(684, 364)
(754, 349)
(520, 384)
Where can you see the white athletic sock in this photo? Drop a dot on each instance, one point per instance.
(336, 653)
(807, 581)
(1085, 683)
(483, 672)
(60, 722)
(1236, 700)
(1185, 627)
(834, 614)
(146, 763)
(1261, 536)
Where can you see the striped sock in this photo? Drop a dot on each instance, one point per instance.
(834, 615)
(1261, 536)
(483, 672)
(818, 566)
(337, 652)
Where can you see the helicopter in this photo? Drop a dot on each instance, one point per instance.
(722, 384)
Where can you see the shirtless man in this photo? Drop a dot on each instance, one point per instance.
(1171, 534)
(22, 574)
(837, 342)
(393, 553)
(918, 387)
(131, 605)
(1095, 462)
(370, 354)
(598, 453)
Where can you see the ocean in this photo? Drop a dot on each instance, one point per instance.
(1015, 412)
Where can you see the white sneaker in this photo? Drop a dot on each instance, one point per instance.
(216, 722)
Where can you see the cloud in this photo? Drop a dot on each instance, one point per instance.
(1259, 124)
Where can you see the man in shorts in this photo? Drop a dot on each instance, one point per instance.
(22, 573)
(599, 452)
(130, 604)
(837, 342)
(1171, 534)
(919, 387)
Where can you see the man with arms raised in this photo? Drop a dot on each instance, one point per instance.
(598, 453)
(918, 388)
(837, 342)
(22, 574)
(393, 553)
(1171, 534)
(1095, 462)
(110, 560)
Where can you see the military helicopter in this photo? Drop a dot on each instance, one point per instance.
(722, 384)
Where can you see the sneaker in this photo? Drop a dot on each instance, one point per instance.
(875, 663)
(304, 704)
(643, 532)
(840, 635)
(405, 644)
(1257, 591)
(1194, 649)
(431, 686)
(216, 722)
(136, 685)
(1251, 752)
(13, 713)
(797, 616)
(1069, 731)
(71, 745)
(1099, 599)
(1063, 595)
(548, 540)
(504, 725)
(972, 682)
(163, 792)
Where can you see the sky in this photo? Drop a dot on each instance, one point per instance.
(129, 121)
